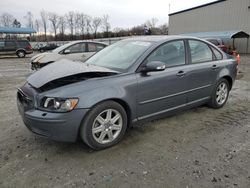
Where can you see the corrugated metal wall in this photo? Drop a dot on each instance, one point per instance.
(227, 15)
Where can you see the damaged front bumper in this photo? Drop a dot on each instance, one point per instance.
(55, 126)
(37, 65)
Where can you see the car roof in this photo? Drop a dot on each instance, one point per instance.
(18, 40)
(91, 41)
(160, 38)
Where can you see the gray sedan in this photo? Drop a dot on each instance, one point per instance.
(130, 81)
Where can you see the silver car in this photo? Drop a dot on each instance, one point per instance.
(76, 50)
(130, 81)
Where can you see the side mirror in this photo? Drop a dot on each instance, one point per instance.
(66, 52)
(154, 66)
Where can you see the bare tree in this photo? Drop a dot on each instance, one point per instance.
(62, 25)
(44, 18)
(88, 24)
(71, 22)
(96, 22)
(54, 19)
(77, 23)
(106, 24)
(164, 28)
(152, 22)
(82, 24)
(7, 19)
(37, 25)
(29, 17)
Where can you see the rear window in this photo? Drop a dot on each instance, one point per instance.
(200, 52)
(10, 44)
(95, 47)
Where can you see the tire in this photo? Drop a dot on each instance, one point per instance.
(219, 96)
(96, 129)
(41, 50)
(21, 54)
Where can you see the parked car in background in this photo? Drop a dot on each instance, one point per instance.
(76, 50)
(219, 43)
(227, 49)
(47, 47)
(132, 80)
(15, 47)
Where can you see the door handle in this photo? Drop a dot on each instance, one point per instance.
(214, 67)
(180, 73)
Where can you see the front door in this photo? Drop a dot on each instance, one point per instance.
(77, 51)
(163, 91)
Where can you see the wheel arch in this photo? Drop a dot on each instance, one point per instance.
(123, 103)
(230, 81)
(20, 49)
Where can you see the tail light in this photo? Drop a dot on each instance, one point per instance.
(29, 47)
(238, 59)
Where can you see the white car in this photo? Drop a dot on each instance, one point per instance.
(76, 50)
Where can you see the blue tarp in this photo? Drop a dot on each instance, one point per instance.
(17, 30)
(219, 34)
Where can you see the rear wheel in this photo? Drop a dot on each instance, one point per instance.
(104, 126)
(220, 94)
(21, 54)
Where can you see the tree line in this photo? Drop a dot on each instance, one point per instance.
(76, 26)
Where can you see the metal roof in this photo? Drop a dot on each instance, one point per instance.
(204, 5)
(17, 30)
(219, 34)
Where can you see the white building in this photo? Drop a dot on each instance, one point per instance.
(222, 15)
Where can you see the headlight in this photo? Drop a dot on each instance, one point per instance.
(58, 104)
(38, 58)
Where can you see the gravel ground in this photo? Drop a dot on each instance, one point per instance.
(201, 147)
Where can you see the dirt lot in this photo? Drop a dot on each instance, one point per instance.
(198, 148)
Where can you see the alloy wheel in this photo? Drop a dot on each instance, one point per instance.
(221, 93)
(107, 126)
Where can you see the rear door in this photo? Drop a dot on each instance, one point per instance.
(92, 48)
(10, 47)
(202, 71)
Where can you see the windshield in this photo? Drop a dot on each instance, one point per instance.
(119, 56)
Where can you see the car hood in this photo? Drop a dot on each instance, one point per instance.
(46, 57)
(66, 69)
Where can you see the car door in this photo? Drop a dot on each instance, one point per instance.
(10, 47)
(2, 47)
(201, 73)
(163, 91)
(76, 51)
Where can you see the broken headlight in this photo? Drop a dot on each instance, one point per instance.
(58, 104)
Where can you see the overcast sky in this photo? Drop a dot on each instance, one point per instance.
(123, 13)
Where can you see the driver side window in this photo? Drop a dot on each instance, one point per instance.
(77, 48)
(171, 53)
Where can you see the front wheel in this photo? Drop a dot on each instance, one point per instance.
(21, 54)
(220, 94)
(104, 126)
